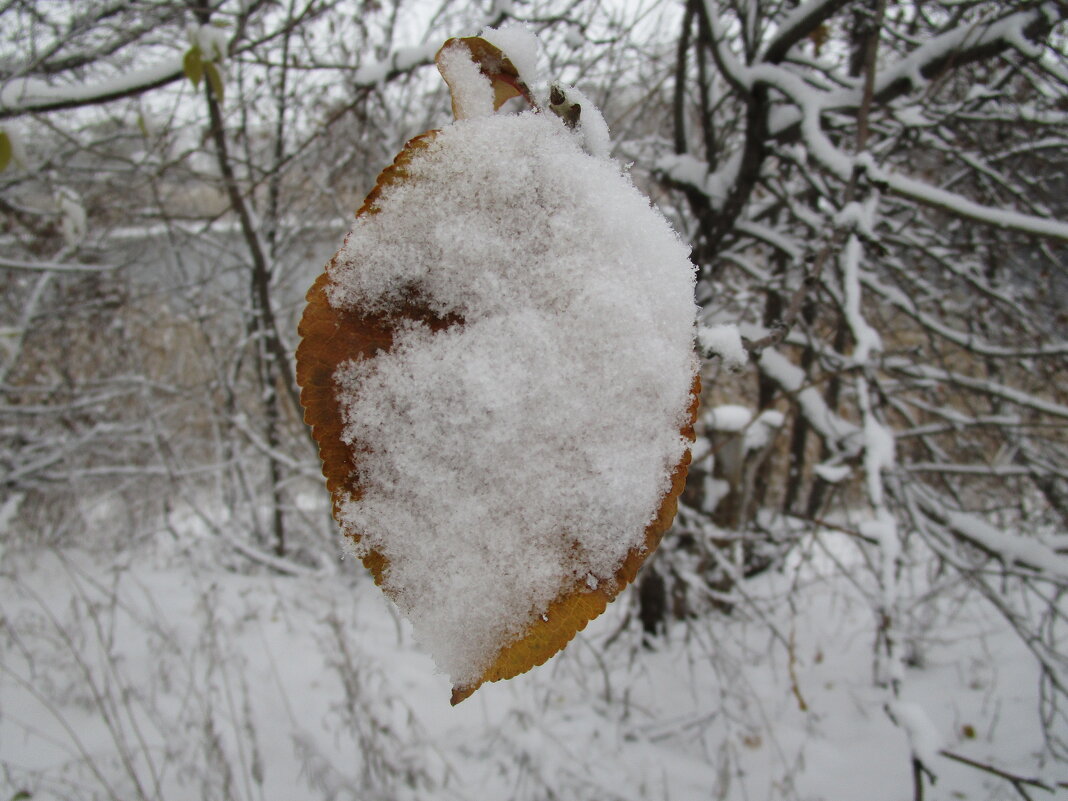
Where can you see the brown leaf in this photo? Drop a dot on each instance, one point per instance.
(494, 65)
(330, 336)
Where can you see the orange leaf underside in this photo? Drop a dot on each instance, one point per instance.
(330, 337)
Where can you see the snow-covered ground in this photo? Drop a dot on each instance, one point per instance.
(160, 675)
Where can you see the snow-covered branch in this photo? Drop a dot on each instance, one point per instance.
(981, 385)
(961, 206)
(53, 266)
(1010, 548)
(799, 24)
(966, 340)
(34, 96)
(398, 62)
(840, 433)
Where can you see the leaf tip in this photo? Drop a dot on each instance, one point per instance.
(462, 693)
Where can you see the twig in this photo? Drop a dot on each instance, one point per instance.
(780, 328)
(1017, 781)
(919, 770)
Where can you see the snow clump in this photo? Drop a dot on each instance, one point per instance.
(522, 47)
(472, 94)
(724, 341)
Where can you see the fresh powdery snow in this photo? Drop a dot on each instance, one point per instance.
(198, 681)
(591, 124)
(521, 46)
(506, 457)
(472, 94)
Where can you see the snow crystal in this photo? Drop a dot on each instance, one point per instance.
(521, 46)
(524, 451)
(472, 92)
(726, 342)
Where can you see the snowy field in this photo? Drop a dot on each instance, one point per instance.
(156, 674)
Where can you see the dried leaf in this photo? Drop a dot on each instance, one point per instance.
(330, 337)
(496, 66)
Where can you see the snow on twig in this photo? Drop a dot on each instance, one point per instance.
(1000, 470)
(811, 103)
(867, 338)
(29, 95)
(967, 340)
(925, 741)
(1012, 549)
(798, 23)
(961, 206)
(54, 266)
(400, 60)
(726, 342)
(982, 385)
(785, 244)
(1009, 548)
(687, 170)
(839, 432)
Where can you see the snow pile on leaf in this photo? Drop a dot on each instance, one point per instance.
(519, 415)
